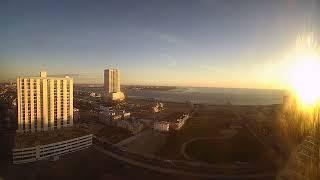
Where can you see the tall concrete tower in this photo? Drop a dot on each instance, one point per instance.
(112, 80)
(112, 84)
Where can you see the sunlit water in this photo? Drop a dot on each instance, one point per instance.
(216, 96)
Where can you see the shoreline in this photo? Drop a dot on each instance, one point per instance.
(198, 103)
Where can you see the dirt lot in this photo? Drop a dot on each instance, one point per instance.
(147, 143)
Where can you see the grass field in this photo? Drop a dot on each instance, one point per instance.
(242, 147)
(208, 122)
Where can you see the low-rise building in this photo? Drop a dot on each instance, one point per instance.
(116, 117)
(121, 119)
(162, 126)
(134, 126)
(157, 107)
(103, 108)
(93, 94)
(106, 116)
(174, 121)
(126, 115)
(180, 121)
(50, 144)
(109, 116)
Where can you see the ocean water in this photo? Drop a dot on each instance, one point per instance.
(214, 96)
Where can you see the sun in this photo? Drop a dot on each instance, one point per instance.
(305, 78)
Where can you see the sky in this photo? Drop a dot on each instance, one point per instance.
(211, 43)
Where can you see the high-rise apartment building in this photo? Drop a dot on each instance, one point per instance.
(112, 84)
(112, 80)
(44, 103)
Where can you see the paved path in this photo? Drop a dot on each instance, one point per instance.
(219, 138)
(185, 144)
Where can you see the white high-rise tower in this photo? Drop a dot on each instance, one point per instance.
(44, 103)
(112, 80)
(112, 84)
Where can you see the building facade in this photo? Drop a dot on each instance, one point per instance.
(112, 84)
(112, 80)
(134, 126)
(40, 152)
(162, 126)
(173, 123)
(44, 103)
(177, 125)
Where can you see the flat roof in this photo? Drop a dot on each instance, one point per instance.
(38, 77)
(47, 137)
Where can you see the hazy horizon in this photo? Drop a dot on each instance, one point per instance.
(203, 43)
(180, 86)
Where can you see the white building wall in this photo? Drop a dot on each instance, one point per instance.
(112, 84)
(161, 126)
(44, 103)
(25, 155)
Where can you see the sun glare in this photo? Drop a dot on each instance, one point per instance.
(304, 77)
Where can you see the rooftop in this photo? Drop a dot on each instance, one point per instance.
(44, 75)
(38, 77)
(47, 137)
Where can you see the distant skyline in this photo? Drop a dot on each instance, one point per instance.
(211, 43)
